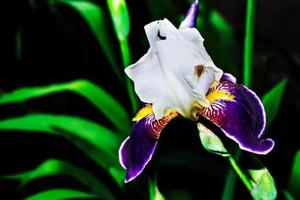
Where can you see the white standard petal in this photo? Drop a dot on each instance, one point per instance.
(150, 83)
(176, 72)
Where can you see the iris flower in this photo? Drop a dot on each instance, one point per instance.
(177, 78)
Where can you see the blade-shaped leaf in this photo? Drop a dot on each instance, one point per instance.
(96, 141)
(294, 184)
(60, 194)
(53, 167)
(111, 108)
(119, 14)
(120, 17)
(93, 15)
(97, 135)
(272, 100)
(248, 42)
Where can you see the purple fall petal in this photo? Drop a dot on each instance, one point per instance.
(228, 77)
(137, 150)
(191, 16)
(240, 114)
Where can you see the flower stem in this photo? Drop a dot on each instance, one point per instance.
(248, 43)
(240, 173)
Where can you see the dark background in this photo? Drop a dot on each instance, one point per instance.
(57, 46)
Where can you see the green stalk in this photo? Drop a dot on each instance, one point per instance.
(240, 173)
(126, 57)
(247, 72)
(248, 43)
(230, 181)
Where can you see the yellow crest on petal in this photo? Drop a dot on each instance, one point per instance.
(147, 110)
(218, 94)
(143, 112)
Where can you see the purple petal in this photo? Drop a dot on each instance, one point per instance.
(240, 114)
(228, 77)
(191, 16)
(137, 150)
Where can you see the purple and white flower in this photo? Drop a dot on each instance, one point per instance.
(177, 77)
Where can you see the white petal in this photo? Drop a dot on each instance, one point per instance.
(149, 81)
(164, 76)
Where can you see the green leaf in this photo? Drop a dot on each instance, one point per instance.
(272, 100)
(96, 95)
(248, 42)
(53, 167)
(120, 17)
(96, 141)
(154, 192)
(294, 184)
(263, 185)
(96, 20)
(60, 194)
(95, 134)
(211, 142)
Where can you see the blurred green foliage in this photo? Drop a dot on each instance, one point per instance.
(294, 184)
(53, 167)
(101, 99)
(60, 193)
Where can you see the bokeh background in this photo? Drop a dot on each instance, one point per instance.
(50, 42)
